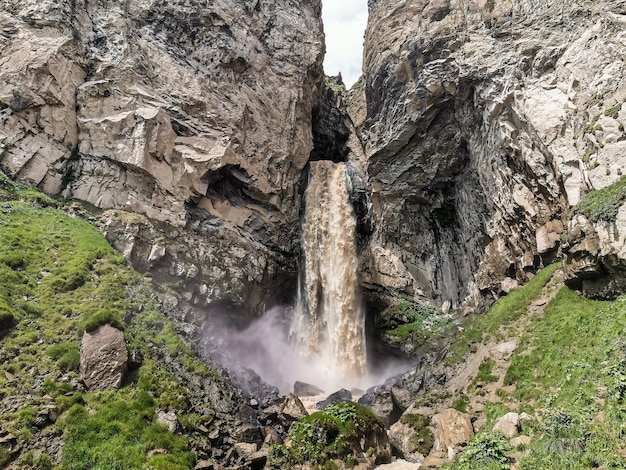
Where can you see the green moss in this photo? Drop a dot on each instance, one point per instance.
(461, 403)
(318, 439)
(67, 355)
(423, 439)
(603, 204)
(489, 5)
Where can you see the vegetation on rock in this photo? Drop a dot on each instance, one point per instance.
(324, 436)
(603, 204)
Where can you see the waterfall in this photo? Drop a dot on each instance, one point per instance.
(329, 324)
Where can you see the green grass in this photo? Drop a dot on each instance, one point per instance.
(121, 435)
(571, 366)
(58, 278)
(506, 310)
(424, 322)
(603, 204)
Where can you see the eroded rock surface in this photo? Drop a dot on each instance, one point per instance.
(481, 125)
(195, 114)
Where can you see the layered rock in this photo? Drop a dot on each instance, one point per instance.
(481, 123)
(196, 114)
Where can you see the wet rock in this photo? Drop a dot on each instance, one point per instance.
(340, 396)
(103, 358)
(292, 408)
(380, 400)
(303, 389)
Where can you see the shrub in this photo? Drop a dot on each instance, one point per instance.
(486, 451)
(334, 433)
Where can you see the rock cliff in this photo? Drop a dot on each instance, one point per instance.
(475, 127)
(196, 114)
(482, 123)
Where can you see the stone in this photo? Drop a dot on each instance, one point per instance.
(248, 433)
(103, 358)
(292, 408)
(400, 435)
(381, 401)
(168, 419)
(508, 425)
(303, 389)
(245, 450)
(340, 396)
(452, 430)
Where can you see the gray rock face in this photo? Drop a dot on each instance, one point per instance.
(596, 262)
(480, 128)
(197, 114)
(103, 358)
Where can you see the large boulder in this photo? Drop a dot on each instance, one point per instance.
(453, 430)
(103, 358)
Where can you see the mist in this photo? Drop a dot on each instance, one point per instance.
(264, 347)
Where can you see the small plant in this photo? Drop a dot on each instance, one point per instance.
(461, 403)
(486, 451)
(490, 5)
(613, 111)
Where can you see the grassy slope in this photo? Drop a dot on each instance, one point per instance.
(59, 276)
(569, 372)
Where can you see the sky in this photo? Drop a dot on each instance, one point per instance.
(344, 26)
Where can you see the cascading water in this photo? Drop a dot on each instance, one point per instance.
(329, 326)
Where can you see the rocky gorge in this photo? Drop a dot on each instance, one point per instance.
(484, 142)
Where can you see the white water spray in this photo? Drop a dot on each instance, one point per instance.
(329, 325)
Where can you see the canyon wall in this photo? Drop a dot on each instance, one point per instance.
(481, 124)
(475, 127)
(194, 114)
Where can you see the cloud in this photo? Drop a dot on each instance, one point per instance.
(344, 27)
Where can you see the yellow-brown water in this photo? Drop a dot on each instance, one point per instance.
(328, 327)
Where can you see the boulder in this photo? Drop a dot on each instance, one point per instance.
(303, 389)
(380, 400)
(103, 358)
(409, 442)
(508, 425)
(340, 396)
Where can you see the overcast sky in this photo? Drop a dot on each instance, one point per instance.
(344, 26)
